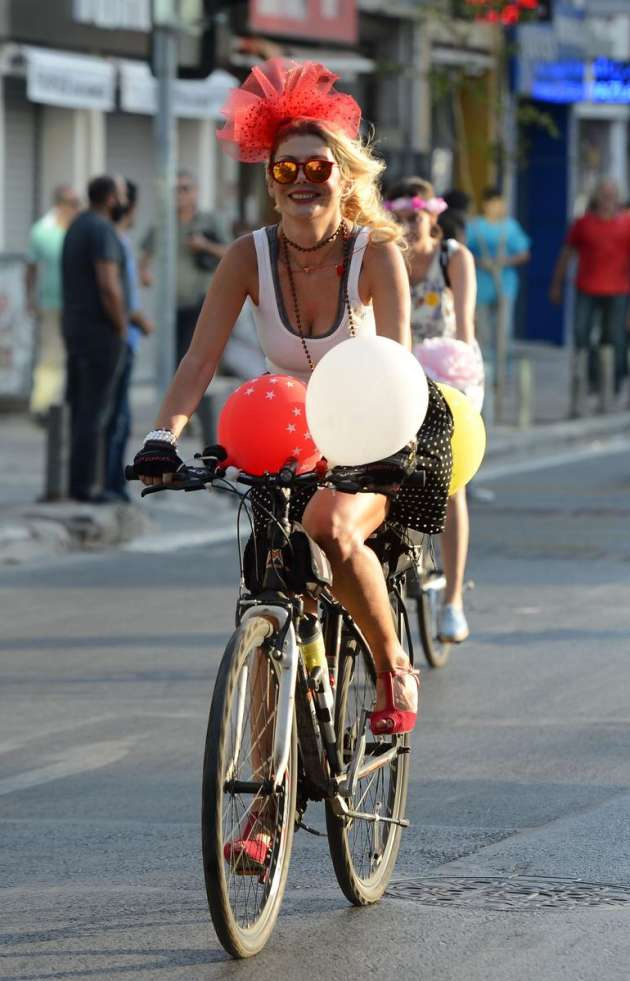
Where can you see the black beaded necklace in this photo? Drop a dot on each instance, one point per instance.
(347, 244)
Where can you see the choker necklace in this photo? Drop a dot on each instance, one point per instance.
(313, 248)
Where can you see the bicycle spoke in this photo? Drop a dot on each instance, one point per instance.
(249, 759)
(374, 793)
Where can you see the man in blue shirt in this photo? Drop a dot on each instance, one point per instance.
(94, 322)
(499, 246)
(139, 325)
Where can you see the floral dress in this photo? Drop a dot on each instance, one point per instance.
(433, 319)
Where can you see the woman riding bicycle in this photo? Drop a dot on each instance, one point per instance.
(331, 268)
(443, 291)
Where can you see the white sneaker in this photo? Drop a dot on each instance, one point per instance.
(452, 625)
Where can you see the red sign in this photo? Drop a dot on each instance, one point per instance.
(315, 20)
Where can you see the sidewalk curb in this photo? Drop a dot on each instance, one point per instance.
(44, 529)
(47, 529)
(504, 441)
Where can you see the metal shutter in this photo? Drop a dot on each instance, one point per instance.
(20, 172)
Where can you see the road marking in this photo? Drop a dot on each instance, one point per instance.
(498, 471)
(171, 541)
(10, 745)
(76, 760)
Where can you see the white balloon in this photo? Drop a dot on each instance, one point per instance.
(366, 398)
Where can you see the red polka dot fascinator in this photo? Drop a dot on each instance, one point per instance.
(278, 92)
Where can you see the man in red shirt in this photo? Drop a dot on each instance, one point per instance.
(601, 240)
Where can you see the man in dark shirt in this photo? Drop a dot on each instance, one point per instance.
(94, 324)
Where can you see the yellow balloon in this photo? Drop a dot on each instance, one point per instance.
(468, 442)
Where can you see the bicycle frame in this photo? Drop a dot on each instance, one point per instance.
(334, 781)
(340, 783)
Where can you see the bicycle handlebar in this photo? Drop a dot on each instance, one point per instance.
(197, 478)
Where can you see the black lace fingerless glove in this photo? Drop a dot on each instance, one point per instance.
(155, 459)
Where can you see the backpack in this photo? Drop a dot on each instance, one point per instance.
(444, 258)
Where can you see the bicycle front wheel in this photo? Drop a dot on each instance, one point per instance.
(247, 829)
(363, 851)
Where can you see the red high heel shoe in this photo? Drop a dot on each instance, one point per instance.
(249, 853)
(396, 718)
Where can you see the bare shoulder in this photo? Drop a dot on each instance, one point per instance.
(461, 257)
(382, 258)
(239, 267)
(242, 252)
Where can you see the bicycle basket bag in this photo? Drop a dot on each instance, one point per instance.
(307, 568)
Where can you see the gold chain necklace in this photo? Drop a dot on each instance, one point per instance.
(347, 242)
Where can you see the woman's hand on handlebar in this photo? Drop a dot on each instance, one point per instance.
(156, 462)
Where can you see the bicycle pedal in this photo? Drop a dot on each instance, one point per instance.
(311, 831)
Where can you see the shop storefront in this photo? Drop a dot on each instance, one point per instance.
(576, 73)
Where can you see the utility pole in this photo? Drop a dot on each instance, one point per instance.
(165, 33)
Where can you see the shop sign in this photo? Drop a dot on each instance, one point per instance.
(114, 15)
(74, 81)
(201, 99)
(601, 81)
(317, 20)
(16, 331)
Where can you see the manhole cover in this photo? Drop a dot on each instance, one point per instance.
(520, 893)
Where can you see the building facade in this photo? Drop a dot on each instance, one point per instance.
(77, 98)
(575, 71)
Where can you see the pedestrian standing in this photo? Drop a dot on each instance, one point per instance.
(201, 243)
(601, 241)
(43, 298)
(499, 246)
(443, 290)
(139, 325)
(94, 330)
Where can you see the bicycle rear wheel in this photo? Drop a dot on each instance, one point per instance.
(364, 853)
(237, 804)
(426, 585)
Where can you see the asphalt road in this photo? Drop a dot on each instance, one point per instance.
(520, 767)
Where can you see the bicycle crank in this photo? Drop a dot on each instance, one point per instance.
(341, 809)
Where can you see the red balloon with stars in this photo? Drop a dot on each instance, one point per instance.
(263, 423)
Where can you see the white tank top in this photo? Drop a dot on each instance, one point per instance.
(281, 344)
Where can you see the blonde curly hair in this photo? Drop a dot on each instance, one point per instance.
(358, 166)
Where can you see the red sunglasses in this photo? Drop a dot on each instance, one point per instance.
(316, 170)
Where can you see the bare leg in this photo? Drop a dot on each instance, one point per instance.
(340, 524)
(455, 547)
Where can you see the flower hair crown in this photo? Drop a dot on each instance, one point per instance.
(278, 92)
(434, 206)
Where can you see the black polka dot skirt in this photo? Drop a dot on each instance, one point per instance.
(424, 508)
(420, 508)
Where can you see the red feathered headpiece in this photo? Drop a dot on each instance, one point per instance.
(278, 92)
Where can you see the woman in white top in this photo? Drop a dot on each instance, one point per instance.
(443, 293)
(330, 269)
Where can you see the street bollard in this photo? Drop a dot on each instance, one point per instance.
(524, 393)
(606, 378)
(579, 384)
(57, 453)
(500, 362)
